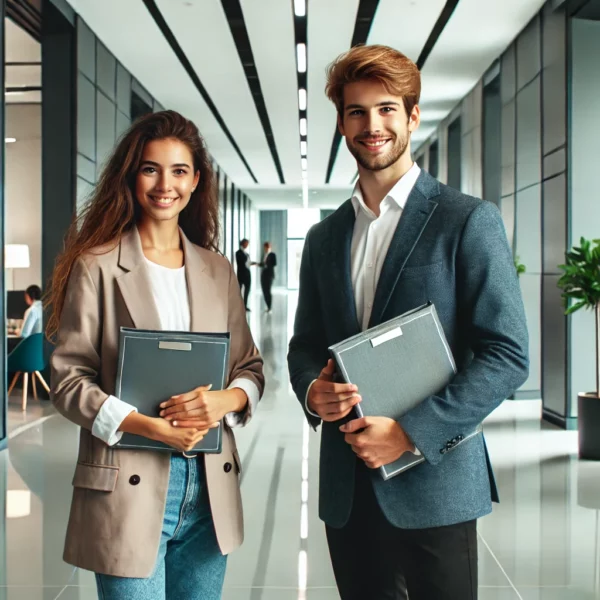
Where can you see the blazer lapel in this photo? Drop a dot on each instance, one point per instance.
(340, 260)
(200, 286)
(135, 283)
(415, 216)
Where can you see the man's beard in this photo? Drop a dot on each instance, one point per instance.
(378, 163)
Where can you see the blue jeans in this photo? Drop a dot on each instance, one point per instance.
(190, 565)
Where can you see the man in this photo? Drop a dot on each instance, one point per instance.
(243, 262)
(402, 240)
(268, 264)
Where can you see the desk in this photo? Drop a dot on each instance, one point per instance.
(12, 341)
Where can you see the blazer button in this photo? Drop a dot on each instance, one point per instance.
(227, 467)
(134, 479)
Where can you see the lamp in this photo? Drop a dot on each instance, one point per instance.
(16, 256)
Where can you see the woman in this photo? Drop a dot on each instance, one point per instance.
(32, 319)
(151, 525)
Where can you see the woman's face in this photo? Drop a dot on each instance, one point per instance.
(166, 179)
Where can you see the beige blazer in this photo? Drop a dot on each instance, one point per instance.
(115, 526)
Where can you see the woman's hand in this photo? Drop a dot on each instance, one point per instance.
(180, 438)
(202, 408)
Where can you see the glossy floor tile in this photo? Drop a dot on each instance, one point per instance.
(542, 542)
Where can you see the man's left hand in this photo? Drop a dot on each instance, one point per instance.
(381, 441)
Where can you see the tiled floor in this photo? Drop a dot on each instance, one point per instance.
(541, 543)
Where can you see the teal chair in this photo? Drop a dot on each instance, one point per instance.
(29, 357)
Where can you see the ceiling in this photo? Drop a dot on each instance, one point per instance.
(475, 35)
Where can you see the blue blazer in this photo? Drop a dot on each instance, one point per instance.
(450, 249)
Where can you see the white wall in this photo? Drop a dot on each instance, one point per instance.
(23, 189)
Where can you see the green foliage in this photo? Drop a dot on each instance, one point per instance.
(520, 267)
(581, 279)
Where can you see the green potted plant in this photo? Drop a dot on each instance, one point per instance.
(580, 284)
(519, 266)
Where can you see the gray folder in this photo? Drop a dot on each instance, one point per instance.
(155, 365)
(397, 365)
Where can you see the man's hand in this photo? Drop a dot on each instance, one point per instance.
(332, 401)
(377, 441)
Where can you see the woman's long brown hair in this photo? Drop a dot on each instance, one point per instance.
(113, 210)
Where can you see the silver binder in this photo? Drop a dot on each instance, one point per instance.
(155, 365)
(397, 365)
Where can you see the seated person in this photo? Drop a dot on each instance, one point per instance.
(33, 318)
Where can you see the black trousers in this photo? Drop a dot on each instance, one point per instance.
(266, 283)
(245, 281)
(374, 560)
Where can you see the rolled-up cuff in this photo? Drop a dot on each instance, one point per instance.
(310, 412)
(239, 419)
(108, 420)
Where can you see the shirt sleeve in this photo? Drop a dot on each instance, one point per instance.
(108, 420)
(310, 412)
(239, 419)
(28, 325)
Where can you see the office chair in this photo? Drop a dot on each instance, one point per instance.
(28, 357)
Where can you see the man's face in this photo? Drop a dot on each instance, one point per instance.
(375, 125)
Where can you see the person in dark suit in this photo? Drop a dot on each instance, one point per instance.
(243, 264)
(404, 239)
(267, 276)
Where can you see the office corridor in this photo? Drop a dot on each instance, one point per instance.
(541, 543)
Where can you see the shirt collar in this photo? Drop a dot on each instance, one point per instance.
(398, 194)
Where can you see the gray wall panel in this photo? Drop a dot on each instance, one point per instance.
(86, 117)
(531, 289)
(555, 107)
(529, 167)
(529, 58)
(84, 191)
(507, 208)
(528, 228)
(86, 50)
(106, 130)
(554, 223)
(137, 87)
(554, 346)
(86, 168)
(123, 123)
(123, 90)
(555, 163)
(508, 148)
(584, 207)
(106, 71)
(508, 74)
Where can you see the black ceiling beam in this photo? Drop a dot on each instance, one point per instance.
(237, 25)
(185, 63)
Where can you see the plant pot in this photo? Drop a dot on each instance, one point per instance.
(588, 424)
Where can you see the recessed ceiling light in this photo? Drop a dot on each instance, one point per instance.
(302, 98)
(303, 127)
(304, 164)
(300, 8)
(10, 140)
(303, 149)
(301, 57)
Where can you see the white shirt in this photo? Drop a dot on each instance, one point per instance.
(169, 289)
(32, 319)
(371, 241)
